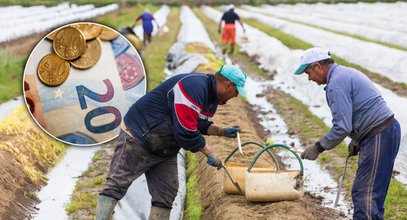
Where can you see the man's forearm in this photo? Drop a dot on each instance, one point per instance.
(215, 129)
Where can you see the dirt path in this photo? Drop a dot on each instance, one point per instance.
(218, 205)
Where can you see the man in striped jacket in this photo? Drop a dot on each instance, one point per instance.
(174, 115)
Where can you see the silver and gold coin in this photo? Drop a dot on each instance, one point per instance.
(69, 43)
(89, 30)
(91, 55)
(52, 70)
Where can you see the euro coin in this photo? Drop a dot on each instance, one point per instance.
(89, 30)
(108, 34)
(52, 70)
(51, 35)
(69, 43)
(90, 57)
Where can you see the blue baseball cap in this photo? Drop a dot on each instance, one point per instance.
(236, 75)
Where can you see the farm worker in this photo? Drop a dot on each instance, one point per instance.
(359, 112)
(147, 19)
(229, 30)
(176, 114)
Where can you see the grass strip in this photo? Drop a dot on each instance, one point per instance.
(296, 43)
(11, 74)
(193, 207)
(309, 127)
(126, 17)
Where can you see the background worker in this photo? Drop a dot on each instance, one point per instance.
(229, 29)
(359, 112)
(174, 115)
(147, 24)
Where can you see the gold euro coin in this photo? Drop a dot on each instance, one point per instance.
(90, 31)
(51, 35)
(90, 57)
(52, 70)
(108, 34)
(69, 43)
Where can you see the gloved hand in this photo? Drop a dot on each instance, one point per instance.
(311, 153)
(219, 31)
(213, 160)
(231, 132)
(353, 148)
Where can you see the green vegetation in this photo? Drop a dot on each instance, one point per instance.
(193, 207)
(126, 17)
(82, 200)
(11, 72)
(295, 43)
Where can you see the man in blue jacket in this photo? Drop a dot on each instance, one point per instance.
(172, 116)
(359, 112)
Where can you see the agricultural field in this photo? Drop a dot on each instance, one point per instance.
(280, 107)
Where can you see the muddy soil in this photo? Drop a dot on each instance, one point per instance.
(16, 188)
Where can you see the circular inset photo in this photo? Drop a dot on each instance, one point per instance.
(80, 80)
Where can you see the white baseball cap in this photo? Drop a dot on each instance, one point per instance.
(231, 6)
(312, 55)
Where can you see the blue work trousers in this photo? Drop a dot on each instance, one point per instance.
(375, 166)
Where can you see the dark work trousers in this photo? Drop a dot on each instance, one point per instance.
(130, 161)
(375, 166)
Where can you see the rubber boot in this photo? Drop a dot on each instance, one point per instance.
(158, 213)
(232, 49)
(105, 207)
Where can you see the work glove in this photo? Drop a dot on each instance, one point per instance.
(213, 160)
(311, 153)
(353, 148)
(231, 132)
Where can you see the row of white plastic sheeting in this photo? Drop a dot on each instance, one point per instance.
(388, 16)
(160, 16)
(374, 57)
(276, 57)
(192, 30)
(49, 18)
(369, 32)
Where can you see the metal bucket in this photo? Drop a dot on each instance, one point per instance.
(275, 185)
(238, 171)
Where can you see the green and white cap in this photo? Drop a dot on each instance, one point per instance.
(236, 75)
(312, 55)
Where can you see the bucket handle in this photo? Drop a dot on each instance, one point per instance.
(274, 146)
(255, 143)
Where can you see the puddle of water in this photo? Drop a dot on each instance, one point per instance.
(62, 179)
(317, 180)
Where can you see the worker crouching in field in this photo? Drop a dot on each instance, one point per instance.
(359, 112)
(174, 115)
